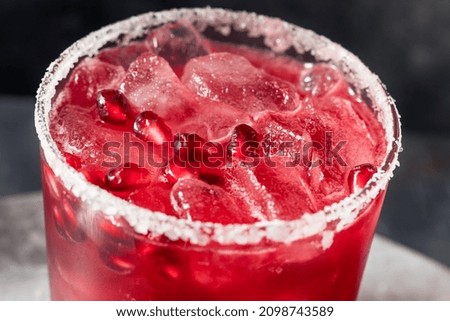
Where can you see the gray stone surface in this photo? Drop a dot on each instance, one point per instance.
(393, 272)
(23, 262)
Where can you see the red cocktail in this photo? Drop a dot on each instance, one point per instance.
(211, 155)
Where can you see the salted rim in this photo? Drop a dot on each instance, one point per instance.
(279, 36)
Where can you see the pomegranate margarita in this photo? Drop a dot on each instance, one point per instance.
(211, 155)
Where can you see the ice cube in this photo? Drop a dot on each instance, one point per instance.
(73, 130)
(283, 67)
(123, 55)
(309, 140)
(344, 132)
(287, 186)
(322, 79)
(285, 170)
(177, 42)
(155, 197)
(251, 196)
(332, 185)
(256, 57)
(151, 85)
(87, 79)
(215, 120)
(233, 80)
(196, 200)
(283, 136)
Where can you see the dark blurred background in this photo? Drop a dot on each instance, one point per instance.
(406, 42)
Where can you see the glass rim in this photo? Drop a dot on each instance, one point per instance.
(272, 30)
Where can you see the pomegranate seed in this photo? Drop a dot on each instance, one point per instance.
(167, 263)
(66, 221)
(94, 176)
(360, 175)
(73, 160)
(195, 158)
(172, 272)
(52, 183)
(244, 142)
(120, 262)
(112, 106)
(112, 230)
(188, 147)
(213, 162)
(150, 127)
(127, 177)
(213, 155)
(212, 176)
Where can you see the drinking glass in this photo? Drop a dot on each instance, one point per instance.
(101, 247)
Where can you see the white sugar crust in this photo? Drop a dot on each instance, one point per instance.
(278, 36)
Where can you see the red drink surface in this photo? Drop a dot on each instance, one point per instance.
(212, 132)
